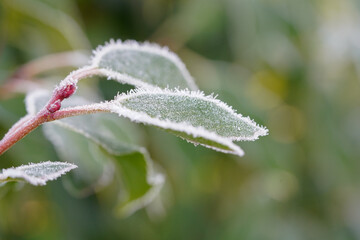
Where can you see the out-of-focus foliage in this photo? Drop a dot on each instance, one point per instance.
(292, 65)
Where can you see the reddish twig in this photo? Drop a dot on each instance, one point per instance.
(51, 111)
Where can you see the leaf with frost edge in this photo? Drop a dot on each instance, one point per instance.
(22, 172)
(261, 131)
(143, 47)
(116, 107)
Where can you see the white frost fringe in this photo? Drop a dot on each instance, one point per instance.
(261, 130)
(35, 173)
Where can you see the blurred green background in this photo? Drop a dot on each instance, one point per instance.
(291, 65)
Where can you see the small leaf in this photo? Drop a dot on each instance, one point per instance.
(191, 115)
(36, 174)
(143, 65)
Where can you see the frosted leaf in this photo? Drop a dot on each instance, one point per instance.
(191, 115)
(194, 109)
(143, 65)
(36, 174)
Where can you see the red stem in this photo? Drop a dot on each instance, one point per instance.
(12, 137)
(50, 112)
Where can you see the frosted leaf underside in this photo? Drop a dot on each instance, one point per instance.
(143, 65)
(36, 174)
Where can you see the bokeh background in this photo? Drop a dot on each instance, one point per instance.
(291, 65)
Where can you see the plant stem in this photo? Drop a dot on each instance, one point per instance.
(21, 131)
(25, 127)
(51, 111)
(77, 111)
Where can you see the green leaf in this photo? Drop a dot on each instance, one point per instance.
(36, 174)
(191, 115)
(143, 65)
(103, 145)
(138, 176)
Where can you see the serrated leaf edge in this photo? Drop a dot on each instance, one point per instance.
(17, 172)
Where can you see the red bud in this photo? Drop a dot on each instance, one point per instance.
(55, 106)
(67, 91)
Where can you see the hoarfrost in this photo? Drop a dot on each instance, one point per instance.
(37, 173)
